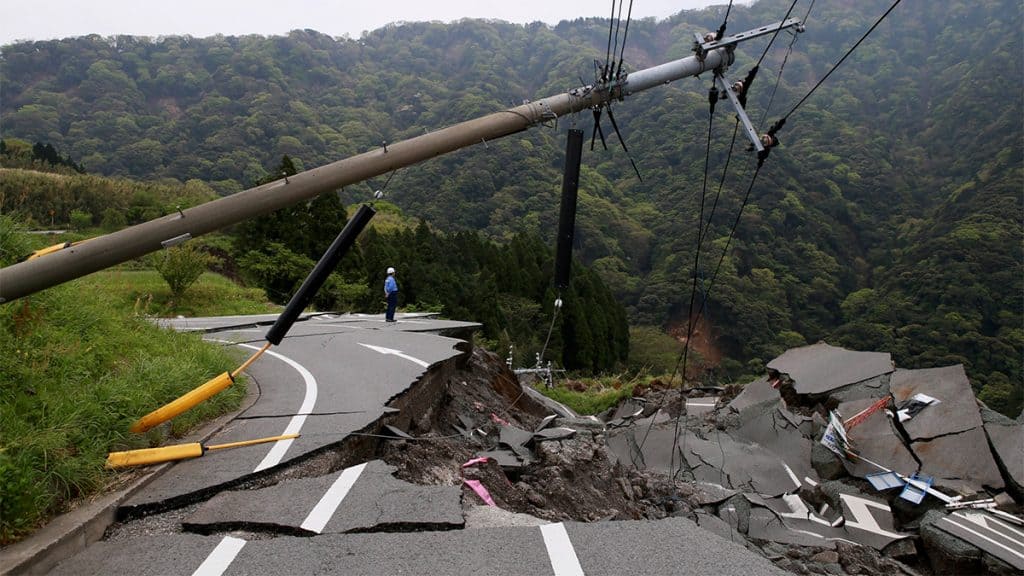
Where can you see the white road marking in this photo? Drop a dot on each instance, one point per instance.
(982, 522)
(394, 352)
(221, 557)
(277, 451)
(862, 517)
(225, 552)
(328, 504)
(560, 551)
(791, 474)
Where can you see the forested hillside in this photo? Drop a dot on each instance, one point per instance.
(890, 217)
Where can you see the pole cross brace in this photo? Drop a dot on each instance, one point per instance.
(740, 112)
(749, 34)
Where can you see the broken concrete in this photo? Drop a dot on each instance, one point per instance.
(876, 440)
(821, 368)
(972, 469)
(757, 392)
(1008, 446)
(957, 410)
(377, 502)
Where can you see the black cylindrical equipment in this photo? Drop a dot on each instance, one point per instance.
(328, 262)
(567, 213)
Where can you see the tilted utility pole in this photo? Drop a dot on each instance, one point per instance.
(102, 252)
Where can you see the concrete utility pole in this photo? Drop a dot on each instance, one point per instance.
(102, 252)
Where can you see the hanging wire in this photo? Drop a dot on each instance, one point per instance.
(684, 354)
(841, 60)
(629, 16)
(615, 45)
(725, 22)
(554, 316)
(778, 78)
(608, 50)
(775, 35)
(693, 292)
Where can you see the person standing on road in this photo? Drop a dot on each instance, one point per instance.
(391, 293)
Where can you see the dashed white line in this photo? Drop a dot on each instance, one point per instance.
(560, 551)
(328, 504)
(225, 552)
(221, 557)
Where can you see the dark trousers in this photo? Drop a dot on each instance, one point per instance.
(392, 304)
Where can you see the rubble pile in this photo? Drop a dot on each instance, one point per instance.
(919, 471)
(929, 480)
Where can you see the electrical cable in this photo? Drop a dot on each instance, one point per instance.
(615, 46)
(785, 59)
(725, 21)
(712, 99)
(837, 64)
(625, 34)
(693, 289)
(554, 316)
(608, 50)
(721, 183)
(775, 35)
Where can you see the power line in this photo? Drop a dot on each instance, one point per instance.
(775, 35)
(841, 60)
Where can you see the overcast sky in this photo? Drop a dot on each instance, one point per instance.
(62, 18)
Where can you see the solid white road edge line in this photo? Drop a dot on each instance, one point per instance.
(328, 504)
(277, 451)
(560, 551)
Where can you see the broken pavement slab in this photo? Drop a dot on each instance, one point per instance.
(1008, 444)
(775, 431)
(757, 392)
(877, 440)
(956, 411)
(961, 461)
(971, 542)
(377, 501)
(821, 368)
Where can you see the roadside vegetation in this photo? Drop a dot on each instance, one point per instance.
(77, 366)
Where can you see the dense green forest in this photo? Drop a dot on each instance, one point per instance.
(890, 218)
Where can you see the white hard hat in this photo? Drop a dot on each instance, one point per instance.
(391, 270)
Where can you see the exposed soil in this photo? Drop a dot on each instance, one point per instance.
(577, 478)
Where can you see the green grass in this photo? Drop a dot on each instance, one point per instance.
(76, 369)
(145, 292)
(600, 394)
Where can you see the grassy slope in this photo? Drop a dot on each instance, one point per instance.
(79, 364)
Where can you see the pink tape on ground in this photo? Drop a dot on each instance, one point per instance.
(481, 491)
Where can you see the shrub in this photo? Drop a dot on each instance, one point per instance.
(181, 266)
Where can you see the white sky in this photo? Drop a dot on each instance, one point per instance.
(200, 18)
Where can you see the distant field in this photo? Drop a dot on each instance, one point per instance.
(145, 292)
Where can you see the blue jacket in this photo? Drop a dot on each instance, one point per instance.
(390, 285)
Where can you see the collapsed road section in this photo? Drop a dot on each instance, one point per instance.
(386, 476)
(462, 468)
(835, 447)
